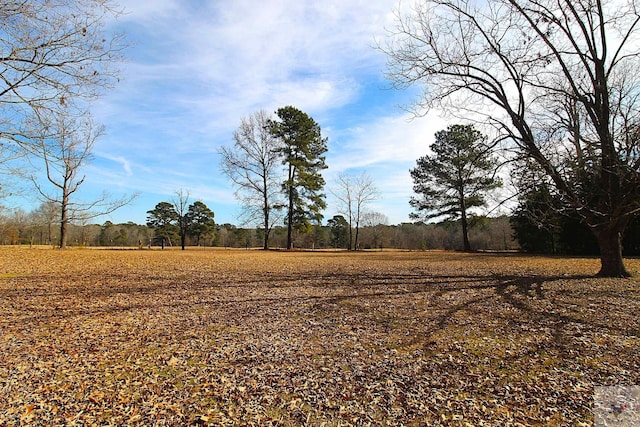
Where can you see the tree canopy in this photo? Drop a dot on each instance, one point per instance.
(54, 54)
(201, 220)
(340, 232)
(163, 220)
(174, 219)
(455, 178)
(302, 152)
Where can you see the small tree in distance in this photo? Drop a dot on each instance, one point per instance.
(375, 223)
(182, 220)
(353, 194)
(177, 219)
(455, 178)
(200, 220)
(339, 231)
(162, 219)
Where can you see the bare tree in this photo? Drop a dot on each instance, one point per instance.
(353, 194)
(53, 53)
(46, 215)
(64, 146)
(556, 79)
(253, 165)
(376, 223)
(181, 206)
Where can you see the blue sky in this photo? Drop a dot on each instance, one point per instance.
(194, 68)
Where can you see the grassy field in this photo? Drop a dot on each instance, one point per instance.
(222, 337)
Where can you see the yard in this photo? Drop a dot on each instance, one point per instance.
(243, 338)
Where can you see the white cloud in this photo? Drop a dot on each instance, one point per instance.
(391, 139)
(195, 68)
(254, 53)
(126, 165)
(387, 148)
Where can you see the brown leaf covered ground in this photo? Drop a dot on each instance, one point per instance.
(243, 338)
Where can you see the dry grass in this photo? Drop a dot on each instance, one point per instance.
(97, 337)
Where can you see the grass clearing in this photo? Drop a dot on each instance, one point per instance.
(230, 337)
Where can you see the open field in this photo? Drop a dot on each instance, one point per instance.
(101, 337)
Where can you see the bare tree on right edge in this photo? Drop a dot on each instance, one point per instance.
(252, 163)
(353, 194)
(518, 65)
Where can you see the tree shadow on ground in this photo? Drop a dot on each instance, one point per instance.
(447, 295)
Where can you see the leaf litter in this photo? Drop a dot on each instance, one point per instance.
(252, 338)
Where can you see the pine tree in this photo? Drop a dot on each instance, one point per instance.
(302, 152)
(455, 178)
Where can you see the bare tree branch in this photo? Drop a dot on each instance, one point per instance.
(556, 78)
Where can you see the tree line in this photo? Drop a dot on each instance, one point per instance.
(21, 228)
(547, 233)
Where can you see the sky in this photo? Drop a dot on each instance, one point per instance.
(194, 68)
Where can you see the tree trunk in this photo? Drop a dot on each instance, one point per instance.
(265, 245)
(64, 219)
(265, 210)
(267, 230)
(290, 226)
(465, 233)
(610, 243)
(465, 224)
(290, 213)
(63, 230)
(356, 243)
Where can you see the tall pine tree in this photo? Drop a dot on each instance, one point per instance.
(302, 151)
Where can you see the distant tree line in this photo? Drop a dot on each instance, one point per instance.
(546, 233)
(21, 228)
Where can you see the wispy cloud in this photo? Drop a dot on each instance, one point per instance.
(195, 68)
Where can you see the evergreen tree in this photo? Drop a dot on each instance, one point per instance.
(200, 220)
(302, 152)
(163, 220)
(535, 221)
(455, 178)
(339, 231)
